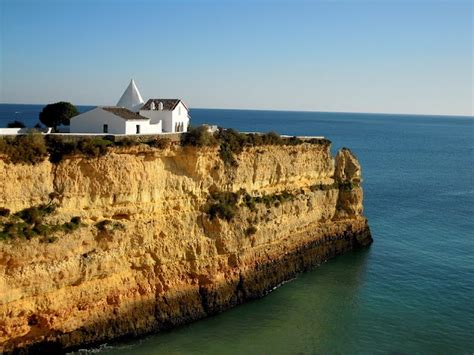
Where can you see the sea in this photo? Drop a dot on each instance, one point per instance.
(410, 292)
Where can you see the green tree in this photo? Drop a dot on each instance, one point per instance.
(58, 113)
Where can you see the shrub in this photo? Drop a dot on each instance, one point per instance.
(29, 149)
(90, 147)
(161, 143)
(250, 231)
(198, 137)
(12, 229)
(21, 230)
(293, 141)
(343, 186)
(76, 220)
(233, 139)
(42, 229)
(222, 205)
(347, 185)
(249, 201)
(319, 141)
(231, 143)
(107, 225)
(268, 200)
(72, 225)
(126, 142)
(272, 138)
(323, 187)
(102, 225)
(254, 139)
(29, 223)
(69, 227)
(35, 214)
(16, 124)
(30, 215)
(58, 148)
(227, 156)
(94, 147)
(4, 212)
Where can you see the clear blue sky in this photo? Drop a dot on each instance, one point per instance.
(413, 56)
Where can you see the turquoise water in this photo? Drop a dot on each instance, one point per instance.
(410, 292)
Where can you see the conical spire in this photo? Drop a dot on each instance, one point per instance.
(131, 98)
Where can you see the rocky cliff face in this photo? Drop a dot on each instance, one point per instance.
(160, 260)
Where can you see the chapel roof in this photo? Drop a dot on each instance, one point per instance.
(168, 104)
(123, 113)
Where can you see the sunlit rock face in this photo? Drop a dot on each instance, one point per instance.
(167, 262)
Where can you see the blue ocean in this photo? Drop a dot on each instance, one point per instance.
(412, 291)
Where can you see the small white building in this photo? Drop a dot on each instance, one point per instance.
(113, 120)
(132, 116)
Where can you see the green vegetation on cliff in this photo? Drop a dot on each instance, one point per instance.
(34, 147)
(225, 204)
(30, 148)
(232, 143)
(31, 222)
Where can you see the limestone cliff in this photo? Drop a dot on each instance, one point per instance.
(167, 262)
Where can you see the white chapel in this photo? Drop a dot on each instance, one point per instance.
(132, 115)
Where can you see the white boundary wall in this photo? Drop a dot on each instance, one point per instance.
(11, 131)
(15, 131)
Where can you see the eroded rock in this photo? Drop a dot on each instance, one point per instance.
(347, 167)
(169, 264)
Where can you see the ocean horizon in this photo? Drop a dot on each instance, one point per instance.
(29, 113)
(409, 292)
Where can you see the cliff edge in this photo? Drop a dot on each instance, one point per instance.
(144, 239)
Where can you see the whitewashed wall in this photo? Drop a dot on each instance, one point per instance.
(11, 131)
(156, 116)
(145, 127)
(93, 122)
(169, 119)
(180, 115)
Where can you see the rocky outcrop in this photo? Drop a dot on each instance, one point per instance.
(347, 167)
(161, 261)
